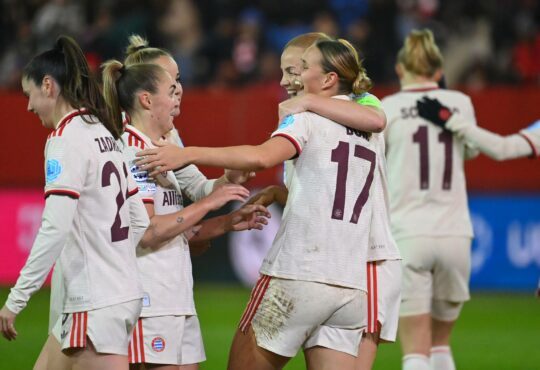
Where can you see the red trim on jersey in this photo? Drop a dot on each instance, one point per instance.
(148, 200)
(257, 295)
(65, 121)
(132, 192)
(293, 142)
(373, 305)
(534, 153)
(68, 193)
(137, 140)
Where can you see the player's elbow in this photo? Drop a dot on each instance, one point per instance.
(378, 122)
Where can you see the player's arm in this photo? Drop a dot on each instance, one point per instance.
(55, 226)
(139, 220)
(498, 147)
(269, 195)
(193, 182)
(243, 157)
(493, 145)
(365, 114)
(251, 216)
(163, 228)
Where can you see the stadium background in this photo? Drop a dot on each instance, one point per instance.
(228, 52)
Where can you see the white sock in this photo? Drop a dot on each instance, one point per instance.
(441, 358)
(415, 361)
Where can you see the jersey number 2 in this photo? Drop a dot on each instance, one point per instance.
(421, 138)
(118, 232)
(340, 155)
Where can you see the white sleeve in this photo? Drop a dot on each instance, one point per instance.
(56, 224)
(193, 183)
(296, 129)
(138, 216)
(493, 145)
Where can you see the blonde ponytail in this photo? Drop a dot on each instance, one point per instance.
(112, 72)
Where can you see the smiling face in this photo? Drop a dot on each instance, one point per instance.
(291, 67)
(164, 103)
(41, 99)
(313, 75)
(168, 64)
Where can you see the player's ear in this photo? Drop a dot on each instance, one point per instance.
(49, 86)
(144, 99)
(330, 79)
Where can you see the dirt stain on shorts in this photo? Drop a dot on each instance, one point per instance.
(274, 311)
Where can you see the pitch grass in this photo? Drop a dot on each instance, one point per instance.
(495, 331)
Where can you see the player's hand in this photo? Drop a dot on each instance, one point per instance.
(164, 157)
(238, 176)
(264, 197)
(269, 195)
(250, 216)
(7, 323)
(226, 193)
(298, 104)
(433, 111)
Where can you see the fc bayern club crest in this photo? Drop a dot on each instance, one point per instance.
(158, 344)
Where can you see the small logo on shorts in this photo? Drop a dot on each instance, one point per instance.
(158, 344)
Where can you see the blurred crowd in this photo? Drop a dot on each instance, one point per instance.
(231, 43)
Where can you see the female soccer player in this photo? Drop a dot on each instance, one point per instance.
(168, 333)
(92, 220)
(384, 265)
(194, 184)
(307, 284)
(428, 207)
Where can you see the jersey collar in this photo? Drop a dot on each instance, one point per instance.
(139, 135)
(420, 87)
(69, 116)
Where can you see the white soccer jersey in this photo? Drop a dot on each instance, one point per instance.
(382, 245)
(426, 180)
(324, 233)
(192, 182)
(523, 144)
(97, 261)
(165, 272)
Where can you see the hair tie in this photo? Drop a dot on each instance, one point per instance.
(140, 47)
(122, 69)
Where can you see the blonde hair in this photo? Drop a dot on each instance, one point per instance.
(305, 40)
(342, 58)
(419, 54)
(122, 82)
(139, 52)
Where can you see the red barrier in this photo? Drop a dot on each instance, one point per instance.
(248, 116)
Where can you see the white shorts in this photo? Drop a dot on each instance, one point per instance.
(171, 340)
(434, 269)
(384, 296)
(109, 328)
(287, 315)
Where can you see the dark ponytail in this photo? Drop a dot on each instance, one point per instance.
(67, 64)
